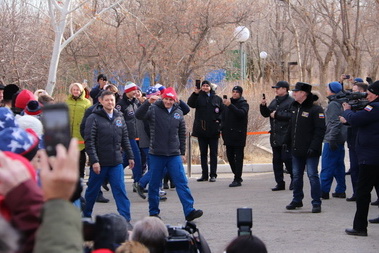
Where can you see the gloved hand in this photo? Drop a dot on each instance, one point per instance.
(333, 145)
(104, 237)
(311, 153)
(285, 148)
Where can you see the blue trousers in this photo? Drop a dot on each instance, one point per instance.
(115, 175)
(137, 170)
(145, 179)
(333, 166)
(299, 164)
(174, 166)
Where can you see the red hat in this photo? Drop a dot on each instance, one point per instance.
(130, 87)
(23, 98)
(170, 93)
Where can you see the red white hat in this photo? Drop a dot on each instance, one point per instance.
(130, 87)
(170, 93)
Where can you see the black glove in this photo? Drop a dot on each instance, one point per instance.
(311, 153)
(285, 148)
(333, 145)
(104, 237)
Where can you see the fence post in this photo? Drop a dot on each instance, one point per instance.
(189, 156)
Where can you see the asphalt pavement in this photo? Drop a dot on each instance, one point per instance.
(281, 230)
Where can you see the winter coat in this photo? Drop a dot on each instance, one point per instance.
(167, 129)
(307, 128)
(234, 122)
(208, 114)
(367, 123)
(77, 108)
(94, 93)
(105, 137)
(279, 124)
(336, 131)
(128, 107)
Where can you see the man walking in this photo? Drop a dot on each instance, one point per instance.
(105, 135)
(305, 135)
(167, 145)
(280, 116)
(234, 129)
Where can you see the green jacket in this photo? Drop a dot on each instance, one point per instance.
(77, 108)
(61, 228)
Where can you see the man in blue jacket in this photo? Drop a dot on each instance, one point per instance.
(167, 145)
(367, 149)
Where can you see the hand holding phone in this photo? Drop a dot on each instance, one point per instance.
(198, 84)
(263, 96)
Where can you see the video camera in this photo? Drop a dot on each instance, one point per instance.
(183, 240)
(357, 100)
(244, 220)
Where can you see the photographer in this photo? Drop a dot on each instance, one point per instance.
(367, 122)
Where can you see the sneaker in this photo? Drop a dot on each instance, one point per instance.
(235, 184)
(316, 209)
(212, 179)
(194, 215)
(162, 198)
(353, 198)
(101, 199)
(165, 186)
(162, 193)
(375, 203)
(340, 195)
(278, 187)
(139, 189)
(293, 205)
(202, 179)
(352, 231)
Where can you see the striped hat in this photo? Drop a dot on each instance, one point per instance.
(130, 87)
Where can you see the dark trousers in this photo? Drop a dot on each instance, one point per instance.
(82, 162)
(367, 179)
(235, 157)
(280, 156)
(212, 143)
(354, 169)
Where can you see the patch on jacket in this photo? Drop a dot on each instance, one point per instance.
(130, 113)
(321, 115)
(176, 115)
(118, 107)
(119, 122)
(368, 108)
(305, 114)
(217, 110)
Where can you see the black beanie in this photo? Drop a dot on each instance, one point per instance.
(374, 87)
(238, 89)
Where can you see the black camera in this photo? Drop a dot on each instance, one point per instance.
(89, 229)
(244, 220)
(357, 100)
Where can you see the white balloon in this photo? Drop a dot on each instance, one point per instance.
(263, 55)
(241, 33)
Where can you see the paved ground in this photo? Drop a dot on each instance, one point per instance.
(281, 230)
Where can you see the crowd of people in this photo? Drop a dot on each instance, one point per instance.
(146, 132)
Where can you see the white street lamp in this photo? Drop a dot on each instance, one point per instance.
(263, 55)
(242, 34)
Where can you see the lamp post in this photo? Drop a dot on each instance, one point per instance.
(242, 34)
(263, 55)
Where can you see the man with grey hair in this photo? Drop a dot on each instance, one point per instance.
(151, 232)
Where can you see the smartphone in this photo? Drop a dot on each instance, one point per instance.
(244, 220)
(347, 77)
(264, 96)
(56, 124)
(198, 84)
(225, 97)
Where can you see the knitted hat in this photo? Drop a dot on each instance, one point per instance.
(160, 87)
(9, 91)
(205, 82)
(281, 84)
(358, 80)
(170, 93)
(33, 108)
(6, 118)
(23, 98)
(151, 91)
(374, 87)
(300, 86)
(31, 122)
(335, 87)
(19, 141)
(238, 89)
(2, 86)
(130, 87)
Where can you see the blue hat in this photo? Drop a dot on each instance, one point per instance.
(335, 87)
(6, 118)
(358, 80)
(17, 140)
(152, 91)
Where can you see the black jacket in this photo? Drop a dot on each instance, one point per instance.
(280, 123)
(207, 115)
(105, 137)
(234, 122)
(128, 107)
(167, 129)
(307, 128)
